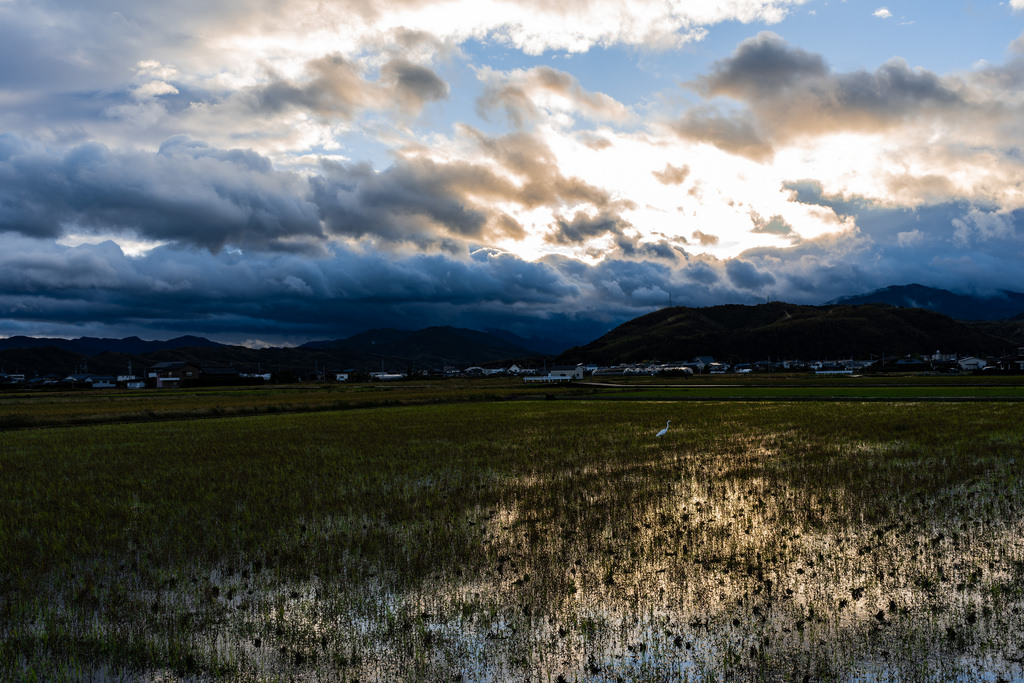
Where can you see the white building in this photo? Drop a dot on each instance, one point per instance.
(559, 373)
(972, 363)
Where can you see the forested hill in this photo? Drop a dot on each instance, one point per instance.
(739, 333)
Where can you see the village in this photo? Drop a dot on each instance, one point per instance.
(172, 374)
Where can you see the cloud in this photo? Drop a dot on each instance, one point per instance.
(173, 289)
(336, 87)
(776, 225)
(762, 67)
(535, 27)
(882, 13)
(528, 161)
(280, 295)
(705, 239)
(791, 94)
(910, 238)
(423, 201)
(734, 133)
(413, 84)
(746, 276)
(186, 193)
(984, 226)
(583, 227)
(416, 201)
(672, 175)
(525, 96)
(200, 169)
(191, 194)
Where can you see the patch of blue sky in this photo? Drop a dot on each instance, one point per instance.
(857, 35)
(628, 74)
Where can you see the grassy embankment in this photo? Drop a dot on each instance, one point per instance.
(537, 539)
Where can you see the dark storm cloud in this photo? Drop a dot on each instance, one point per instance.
(790, 93)
(627, 284)
(701, 272)
(186, 193)
(746, 276)
(168, 289)
(190, 193)
(233, 296)
(626, 288)
(415, 201)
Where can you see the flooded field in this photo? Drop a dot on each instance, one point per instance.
(544, 540)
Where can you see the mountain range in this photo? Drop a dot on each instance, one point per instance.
(92, 346)
(1000, 306)
(387, 349)
(894, 320)
(785, 331)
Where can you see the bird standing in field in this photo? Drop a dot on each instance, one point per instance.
(664, 431)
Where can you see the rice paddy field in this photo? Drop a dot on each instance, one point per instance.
(516, 537)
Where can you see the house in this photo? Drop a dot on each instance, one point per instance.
(386, 376)
(94, 381)
(702, 362)
(1013, 363)
(265, 376)
(559, 373)
(970, 364)
(568, 372)
(171, 373)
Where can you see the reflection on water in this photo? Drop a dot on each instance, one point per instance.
(674, 566)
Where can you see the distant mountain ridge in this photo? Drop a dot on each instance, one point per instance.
(1005, 305)
(390, 349)
(91, 346)
(432, 345)
(738, 333)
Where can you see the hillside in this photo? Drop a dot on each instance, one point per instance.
(738, 333)
(392, 350)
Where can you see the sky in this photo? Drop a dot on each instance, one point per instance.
(270, 173)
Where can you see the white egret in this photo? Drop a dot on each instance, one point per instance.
(665, 430)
